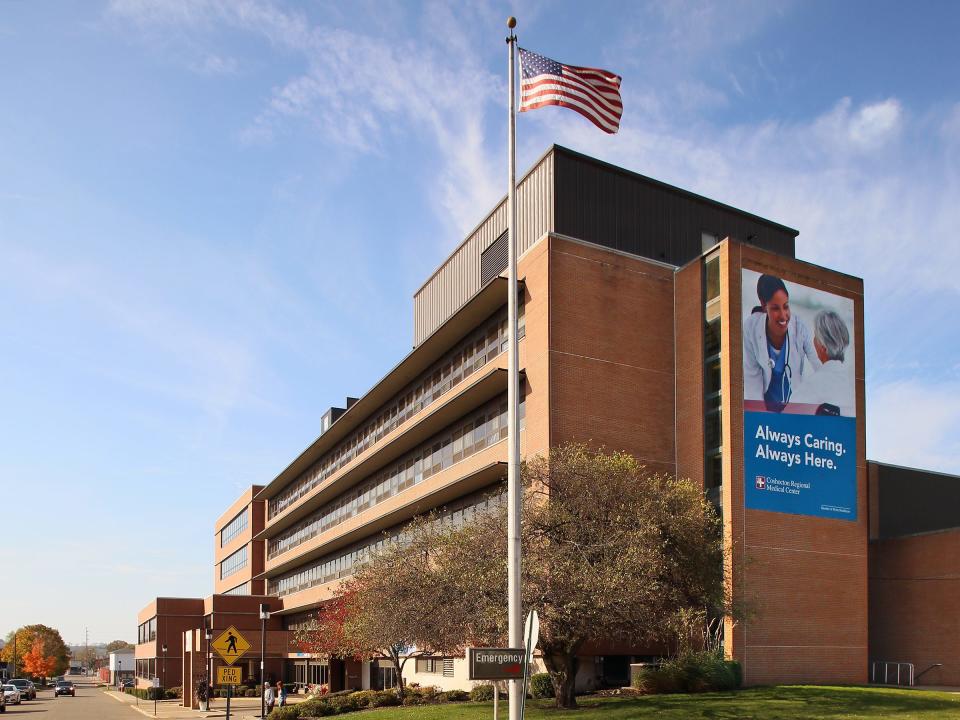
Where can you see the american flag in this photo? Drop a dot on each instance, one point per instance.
(593, 93)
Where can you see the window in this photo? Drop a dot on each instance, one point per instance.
(712, 381)
(429, 665)
(147, 632)
(233, 563)
(471, 354)
(243, 589)
(383, 675)
(233, 528)
(341, 563)
(482, 428)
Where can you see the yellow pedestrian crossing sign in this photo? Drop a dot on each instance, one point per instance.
(229, 676)
(230, 645)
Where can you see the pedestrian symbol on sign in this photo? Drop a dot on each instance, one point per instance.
(230, 645)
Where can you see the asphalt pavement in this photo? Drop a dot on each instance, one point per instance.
(94, 702)
(90, 703)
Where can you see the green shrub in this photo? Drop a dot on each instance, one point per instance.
(541, 686)
(457, 695)
(412, 696)
(250, 693)
(692, 672)
(364, 698)
(291, 712)
(482, 693)
(313, 708)
(737, 671)
(175, 692)
(386, 698)
(345, 703)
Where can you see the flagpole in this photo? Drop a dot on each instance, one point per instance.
(514, 488)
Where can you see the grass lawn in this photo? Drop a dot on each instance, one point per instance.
(785, 702)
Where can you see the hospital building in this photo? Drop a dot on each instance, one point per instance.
(636, 321)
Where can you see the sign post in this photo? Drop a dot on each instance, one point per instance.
(156, 686)
(531, 634)
(231, 646)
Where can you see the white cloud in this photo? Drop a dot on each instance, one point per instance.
(863, 129)
(360, 89)
(213, 64)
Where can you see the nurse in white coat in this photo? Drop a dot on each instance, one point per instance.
(778, 349)
(833, 383)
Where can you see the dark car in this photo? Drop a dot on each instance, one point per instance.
(27, 689)
(64, 687)
(128, 683)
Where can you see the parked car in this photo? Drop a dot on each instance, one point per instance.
(128, 683)
(26, 687)
(11, 696)
(65, 687)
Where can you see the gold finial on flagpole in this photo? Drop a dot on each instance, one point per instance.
(511, 22)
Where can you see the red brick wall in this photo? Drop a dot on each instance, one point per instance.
(689, 372)
(915, 603)
(611, 352)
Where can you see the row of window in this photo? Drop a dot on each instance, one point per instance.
(340, 564)
(312, 673)
(147, 668)
(713, 386)
(470, 435)
(234, 562)
(435, 666)
(243, 589)
(147, 632)
(233, 528)
(468, 356)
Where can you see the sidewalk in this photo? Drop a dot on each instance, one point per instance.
(243, 708)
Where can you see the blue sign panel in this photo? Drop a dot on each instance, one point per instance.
(800, 464)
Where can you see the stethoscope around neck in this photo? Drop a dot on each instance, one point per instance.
(785, 390)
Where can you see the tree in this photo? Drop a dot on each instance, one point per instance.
(37, 663)
(118, 645)
(87, 656)
(611, 553)
(386, 609)
(53, 646)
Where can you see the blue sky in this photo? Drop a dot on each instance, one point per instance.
(213, 215)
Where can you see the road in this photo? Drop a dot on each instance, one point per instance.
(91, 703)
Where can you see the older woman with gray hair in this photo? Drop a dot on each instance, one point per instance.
(833, 384)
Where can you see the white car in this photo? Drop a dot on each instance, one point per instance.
(11, 695)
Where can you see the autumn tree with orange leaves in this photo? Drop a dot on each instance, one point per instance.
(20, 643)
(37, 662)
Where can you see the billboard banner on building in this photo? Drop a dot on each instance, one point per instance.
(799, 399)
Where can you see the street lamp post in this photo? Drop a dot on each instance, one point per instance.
(264, 616)
(119, 668)
(163, 681)
(208, 633)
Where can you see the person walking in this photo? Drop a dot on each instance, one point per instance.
(269, 697)
(281, 693)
